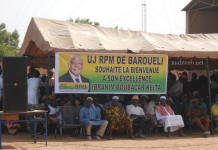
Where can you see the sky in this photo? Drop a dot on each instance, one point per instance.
(163, 16)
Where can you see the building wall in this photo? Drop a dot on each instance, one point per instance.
(205, 21)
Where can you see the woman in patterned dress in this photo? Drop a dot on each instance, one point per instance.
(117, 118)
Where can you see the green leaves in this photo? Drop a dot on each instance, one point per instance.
(6, 48)
(84, 21)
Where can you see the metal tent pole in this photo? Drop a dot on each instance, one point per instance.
(48, 66)
(209, 94)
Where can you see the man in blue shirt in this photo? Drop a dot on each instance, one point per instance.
(90, 117)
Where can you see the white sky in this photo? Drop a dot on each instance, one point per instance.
(163, 16)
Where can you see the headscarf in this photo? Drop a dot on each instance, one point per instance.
(160, 109)
(195, 92)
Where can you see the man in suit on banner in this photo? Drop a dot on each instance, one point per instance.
(75, 66)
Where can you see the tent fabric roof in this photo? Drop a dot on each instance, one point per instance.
(45, 35)
(202, 4)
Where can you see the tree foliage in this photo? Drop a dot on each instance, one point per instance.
(8, 49)
(87, 21)
(84, 21)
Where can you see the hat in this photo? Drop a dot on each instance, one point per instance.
(163, 97)
(115, 97)
(195, 92)
(89, 98)
(135, 97)
(194, 100)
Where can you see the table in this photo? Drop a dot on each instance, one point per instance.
(26, 113)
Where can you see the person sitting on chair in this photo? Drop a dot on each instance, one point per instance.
(214, 110)
(138, 117)
(98, 107)
(117, 118)
(90, 117)
(202, 104)
(197, 116)
(166, 115)
(155, 101)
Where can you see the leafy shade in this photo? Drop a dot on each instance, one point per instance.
(84, 21)
(7, 50)
(8, 47)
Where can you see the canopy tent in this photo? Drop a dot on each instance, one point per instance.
(45, 35)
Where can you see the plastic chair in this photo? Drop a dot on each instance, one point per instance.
(68, 120)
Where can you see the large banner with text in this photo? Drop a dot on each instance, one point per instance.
(110, 73)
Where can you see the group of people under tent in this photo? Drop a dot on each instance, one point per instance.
(136, 117)
(181, 95)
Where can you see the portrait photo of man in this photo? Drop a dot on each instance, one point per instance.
(73, 75)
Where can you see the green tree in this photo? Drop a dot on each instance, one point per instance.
(8, 49)
(3, 33)
(116, 27)
(84, 21)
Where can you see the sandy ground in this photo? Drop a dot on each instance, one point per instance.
(159, 141)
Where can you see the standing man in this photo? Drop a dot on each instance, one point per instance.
(75, 66)
(171, 122)
(90, 117)
(138, 116)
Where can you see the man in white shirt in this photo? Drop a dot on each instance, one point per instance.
(33, 85)
(166, 115)
(152, 104)
(138, 117)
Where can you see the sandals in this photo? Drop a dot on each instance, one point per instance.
(206, 134)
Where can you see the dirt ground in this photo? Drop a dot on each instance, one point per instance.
(159, 141)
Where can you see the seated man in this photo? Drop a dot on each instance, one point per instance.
(198, 116)
(71, 102)
(166, 115)
(155, 101)
(90, 117)
(138, 116)
(98, 107)
(117, 118)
